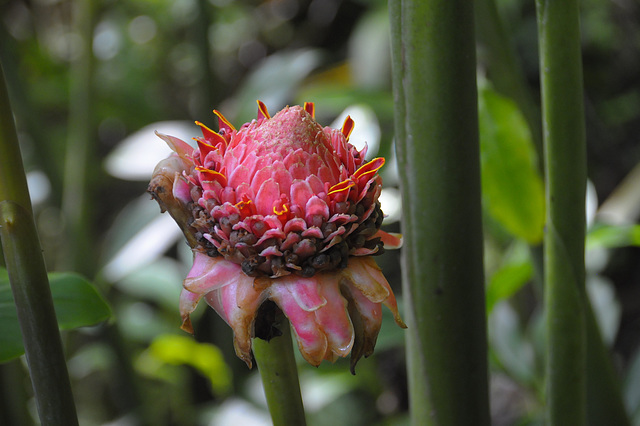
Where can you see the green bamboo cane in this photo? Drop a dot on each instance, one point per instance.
(29, 282)
(504, 68)
(565, 171)
(279, 374)
(78, 175)
(434, 70)
(604, 398)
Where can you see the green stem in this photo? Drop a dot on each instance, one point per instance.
(506, 74)
(434, 71)
(565, 171)
(29, 282)
(504, 68)
(604, 392)
(76, 200)
(279, 373)
(13, 183)
(34, 304)
(604, 399)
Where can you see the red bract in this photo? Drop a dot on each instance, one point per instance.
(285, 210)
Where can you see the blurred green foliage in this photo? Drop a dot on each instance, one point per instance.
(75, 299)
(155, 61)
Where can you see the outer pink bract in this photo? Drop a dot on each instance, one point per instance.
(285, 210)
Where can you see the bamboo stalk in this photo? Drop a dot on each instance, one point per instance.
(29, 282)
(565, 171)
(604, 398)
(504, 68)
(434, 70)
(78, 175)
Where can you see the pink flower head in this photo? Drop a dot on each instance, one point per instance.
(284, 210)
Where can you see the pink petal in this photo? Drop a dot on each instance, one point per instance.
(317, 185)
(359, 274)
(181, 189)
(268, 193)
(282, 176)
(312, 342)
(237, 304)
(317, 211)
(300, 193)
(304, 291)
(240, 174)
(390, 302)
(188, 303)
(260, 177)
(271, 233)
(333, 318)
(210, 273)
(298, 171)
(371, 314)
(178, 146)
(391, 240)
(270, 251)
(295, 225)
(313, 232)
(363, 251)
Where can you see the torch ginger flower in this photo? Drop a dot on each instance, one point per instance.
(287, 211)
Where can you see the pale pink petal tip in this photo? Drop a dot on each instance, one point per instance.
(178, 146)
(188, 303)
(238, 303)
(391, 240)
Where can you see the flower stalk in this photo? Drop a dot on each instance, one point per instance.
(29, 282)
(277, 366)
(434, 71)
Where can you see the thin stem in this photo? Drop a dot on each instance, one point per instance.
(565, 171)
(42, 344)
(76, 200)
(434, 71)
(504, 68)
(279, 374)
(13, 183)
(29, 282)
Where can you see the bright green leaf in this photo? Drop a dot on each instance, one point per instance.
(76, 302)
(206, 358)
(507, 281)
(613, 236)
(512, 187)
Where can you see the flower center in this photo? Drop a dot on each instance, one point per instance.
(283, 195)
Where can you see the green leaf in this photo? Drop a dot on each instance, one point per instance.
(76, 301)
(10, 335)
(507, 281)
(512, 187)
(613, 236)
(173, 349)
